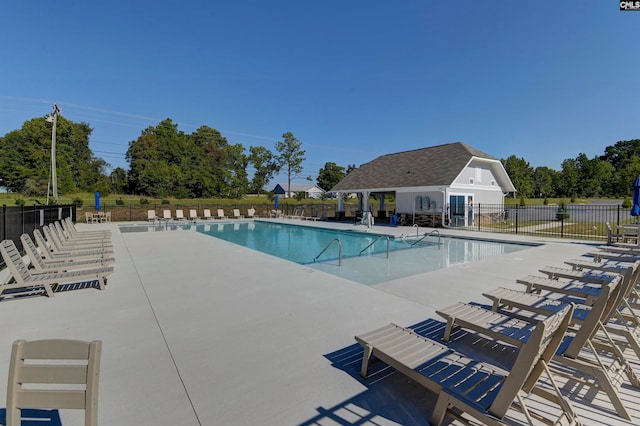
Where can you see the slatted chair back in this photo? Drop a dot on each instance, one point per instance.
(599, 311)
(532, 359)
(32, 252)
(13, 260)
(54, 374)
(42, 243)
(53, 238)
(61, 232)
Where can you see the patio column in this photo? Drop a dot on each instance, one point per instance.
(381, 207)
(365, 201)
(340, 204)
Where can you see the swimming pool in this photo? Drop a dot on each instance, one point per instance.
(302, 244)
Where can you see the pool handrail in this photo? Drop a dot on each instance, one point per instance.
(375, 241)
(435, 231)
(329, 245)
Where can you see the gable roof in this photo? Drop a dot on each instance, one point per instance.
(281, 188)
(436, 165)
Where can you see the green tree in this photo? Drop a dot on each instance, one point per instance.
(25, 158)
(543, 182)
(330, 175)
(165, 161)
(621, 153)
(595, 176)
(569, 178)
(521, 175)
(264, 165)
(290, 157)
(119, 181)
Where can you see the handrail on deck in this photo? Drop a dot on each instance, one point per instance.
(329, 245)
(375, 241)
(435, 231)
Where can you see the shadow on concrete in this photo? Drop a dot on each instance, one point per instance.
(390, 397)
(34, 417)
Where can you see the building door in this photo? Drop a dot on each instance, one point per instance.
(456, 210)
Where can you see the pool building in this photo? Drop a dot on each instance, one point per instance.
(434, 186)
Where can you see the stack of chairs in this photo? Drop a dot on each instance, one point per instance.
(61, 259)
(578, 323)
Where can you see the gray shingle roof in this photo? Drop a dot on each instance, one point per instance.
(436, 165)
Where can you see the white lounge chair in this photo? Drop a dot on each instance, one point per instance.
(207, 214)
(479, 389)
(51, 251)
(251, 213)
(166, 215)
(179, 215)
(569, 359)
(193, 215)
(151, 215)
(78, 242)
(236, 214)
(78, 238)
(41, 265)
(71, 229)
(69, 368)
(25, 280)
(221, 214)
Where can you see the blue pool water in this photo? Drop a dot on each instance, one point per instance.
(301, 244)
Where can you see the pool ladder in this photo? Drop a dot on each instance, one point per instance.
(375, 241)
(434, 232)
(329, 245)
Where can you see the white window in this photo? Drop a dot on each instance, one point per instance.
(478, 174)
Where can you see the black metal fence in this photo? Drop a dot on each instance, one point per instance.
(15, 221)
(574, 221)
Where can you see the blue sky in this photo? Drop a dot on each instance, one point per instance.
(543, 80)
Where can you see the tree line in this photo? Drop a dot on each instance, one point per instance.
(608, 175)
(163, 162)
(167, 162)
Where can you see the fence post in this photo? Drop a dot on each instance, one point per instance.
(477, 218)
(130, 214)
(4, 222)
(618, 222)
(517, 209)
(22, 218)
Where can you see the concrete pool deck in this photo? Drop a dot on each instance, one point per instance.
(197, 330)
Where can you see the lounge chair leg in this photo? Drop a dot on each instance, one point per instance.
(440, 410)
(49, 290)
(448, 328)
(368, 351)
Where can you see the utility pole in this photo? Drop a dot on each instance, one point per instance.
(53, 118)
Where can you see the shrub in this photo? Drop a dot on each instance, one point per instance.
(545, 201)
(626, 203)
(522, 202)
(120, 202)
(144, 201)
(165, 201)
(20, 202)
(78, 202)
